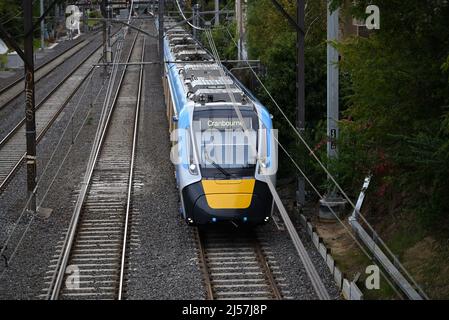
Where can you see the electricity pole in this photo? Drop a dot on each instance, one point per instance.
(300, 89)
(240, 11)
(42, 26)
(332, 199)
(196, 21)
(161, 35)
(217, 14)
(332, 83)
(298, 25)
(106, 11)
(27, 55)
(109, 29)
(29, 103)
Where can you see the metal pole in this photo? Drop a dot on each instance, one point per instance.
(332, 199)
(109, 10)
(300, 89)
(238, 13)
(29, 104)
(332, 83)
(85, 18)
(196, 8)
(161, 35)
(104, 41)
(107, 50)
(42, 25)
(217, 14)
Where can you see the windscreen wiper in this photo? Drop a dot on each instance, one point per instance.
(216, 165)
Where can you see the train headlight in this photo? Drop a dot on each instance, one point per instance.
(193, 169)
(263, 165)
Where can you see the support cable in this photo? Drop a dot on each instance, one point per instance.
(313, 154)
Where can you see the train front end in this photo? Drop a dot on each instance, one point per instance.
(231, 163)
(224, 145)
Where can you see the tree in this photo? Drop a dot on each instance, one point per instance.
(272, 40)
(396, 108)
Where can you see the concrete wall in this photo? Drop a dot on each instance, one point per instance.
(349, 289)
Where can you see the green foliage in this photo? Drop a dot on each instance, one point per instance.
(394, 95)
(10, 14)
(396, 107)
(272, 40)
(3, 60)
(222, 38)
(94, 14)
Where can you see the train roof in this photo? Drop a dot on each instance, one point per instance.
(203, 79)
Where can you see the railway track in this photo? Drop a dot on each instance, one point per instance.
(15, 88)
(237, 265)
(97, 240)
(13, 145)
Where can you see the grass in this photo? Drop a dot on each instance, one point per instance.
(427, 261)
(3, 61)
(423, 254)
(91, 23)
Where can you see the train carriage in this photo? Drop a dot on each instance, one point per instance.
(222, 165)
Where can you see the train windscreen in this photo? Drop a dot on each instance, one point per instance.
(222, 145)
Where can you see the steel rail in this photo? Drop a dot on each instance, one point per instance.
(68, 243)
(41, 78)
(17, 81)
(317, 283)
(130, 182)
(267, 271)
(14, 131)
(48, 96)
(5, 181)
(21, 78)
(203, 264)
(250, 239)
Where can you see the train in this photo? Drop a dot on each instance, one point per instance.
(221, 164)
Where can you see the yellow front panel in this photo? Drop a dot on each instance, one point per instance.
(229, 194)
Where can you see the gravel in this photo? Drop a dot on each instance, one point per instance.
(291, 267)
(24, 278)
(41, 59)
(164, 263)
(14, 112)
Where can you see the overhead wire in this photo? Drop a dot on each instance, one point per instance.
(187, 20)
(321, 197)
(11, 233)
(304, 142)
(313, 154)
(316, 280)
(8, 239)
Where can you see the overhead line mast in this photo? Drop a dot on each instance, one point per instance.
(299, 25)
(30, 104)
